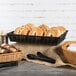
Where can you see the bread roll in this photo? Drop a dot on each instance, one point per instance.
(54, 31)
(7, 48)
(29, 26)
(13, 49)
(45, 33)
(2, 51)
(18, 30)
(62, 29)
(36, 31)
(24, 30)
(44, 27)
(48, 33)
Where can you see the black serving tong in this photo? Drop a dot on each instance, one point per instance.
(41, 57)
(39, 54)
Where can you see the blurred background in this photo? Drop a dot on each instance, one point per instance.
(14, 13)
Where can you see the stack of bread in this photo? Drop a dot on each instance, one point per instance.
(42, 30)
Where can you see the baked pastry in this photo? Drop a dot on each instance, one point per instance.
(36, 32)
(42, 30)
(62, 29)
(18, 30)
(56, 31)
(48, 33)
(29, 26)
(3, 50)
(44, 27)
(13, 49)
(6, 48)
(53, 31)
(45, 33)
(24, 30)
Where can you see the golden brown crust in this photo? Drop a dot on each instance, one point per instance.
(18, 30)
(42, 30)
(44, 27)
(45, 33)
(54, 31)
(62, 29)
(29, 26)
(6, 48)
(48, 33)
(36, 31)
(25, 31)
(2, 50)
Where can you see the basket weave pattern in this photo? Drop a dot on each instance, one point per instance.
(11, 57)
(36, 39)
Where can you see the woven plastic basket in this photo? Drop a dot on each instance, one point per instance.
(8, 57)
(36, 39)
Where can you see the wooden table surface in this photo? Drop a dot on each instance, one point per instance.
(31, 69)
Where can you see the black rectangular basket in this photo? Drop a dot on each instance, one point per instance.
(36, 39)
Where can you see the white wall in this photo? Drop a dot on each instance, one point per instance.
(15, 13)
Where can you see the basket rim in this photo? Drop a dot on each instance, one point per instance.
(36, 39)
(20, 52)
(12, 34)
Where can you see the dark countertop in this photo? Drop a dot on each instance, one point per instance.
(32, 69)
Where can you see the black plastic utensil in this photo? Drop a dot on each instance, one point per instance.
(39, 54)
(34, 57)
